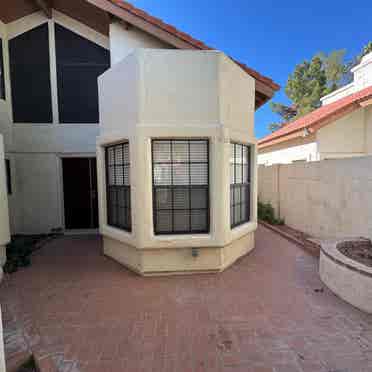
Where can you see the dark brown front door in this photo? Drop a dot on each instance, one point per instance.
(80, 193)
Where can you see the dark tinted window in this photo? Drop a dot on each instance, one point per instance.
(8, 176)
(240, 184)
(30, 76)
(2, 85)
(79, 63)
(118, 186)
(180, 170)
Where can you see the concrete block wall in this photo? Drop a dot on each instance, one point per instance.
(329, 198)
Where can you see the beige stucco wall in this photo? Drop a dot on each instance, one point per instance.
(330, 198)
(4, 212)
(268, 185)
(178, 94)
(343, 137)
(35, 150)
(123, 41)
(297, 149)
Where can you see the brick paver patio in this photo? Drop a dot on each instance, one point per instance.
(86, 313)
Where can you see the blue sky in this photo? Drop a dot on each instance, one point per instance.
(270, 36)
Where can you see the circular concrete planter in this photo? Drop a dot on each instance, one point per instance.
(350, 280)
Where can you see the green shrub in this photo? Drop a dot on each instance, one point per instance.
(266, 213)
(18, 253)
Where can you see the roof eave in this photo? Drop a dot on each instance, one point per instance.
(265, 87)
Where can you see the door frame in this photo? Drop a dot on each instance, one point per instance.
(85, 155)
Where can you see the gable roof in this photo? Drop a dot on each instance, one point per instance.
(265, 87)
(98, 14)
(318, 118)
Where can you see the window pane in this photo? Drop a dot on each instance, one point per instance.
(111, 156)
(30, 76)
(112, 195)
(245, 154)
(122, 220)
(245, 212)
(164, 221)
(199, 174)
(119, 175)
(238, 154)
(113, 215)
(244, 193)
(238, 173)
(237, 197)
(118, 187)
(8, 176)
(180, 174)
(199, 220)
(79, 63)
(119, 154)
(126, 175)
(198, 151)
(126, 154)
(181, 221)
(122, 201)
(246, 173)
(240, 191)
(163, 198)
(181, 199)
(237, 209)
(162, 174)
(199, 198)
(161, 151)
(179, 164)
(2, 85)
(180, 151)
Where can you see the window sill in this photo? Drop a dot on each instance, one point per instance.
(238, 231)
(118, 234)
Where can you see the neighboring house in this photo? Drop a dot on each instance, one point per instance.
(51, 55)
(341, 127)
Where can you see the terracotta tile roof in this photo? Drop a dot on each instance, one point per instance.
(321, 116)
(197, 44)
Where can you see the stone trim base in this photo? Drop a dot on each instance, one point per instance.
(177, 261)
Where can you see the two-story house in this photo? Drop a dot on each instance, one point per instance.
(51, 54)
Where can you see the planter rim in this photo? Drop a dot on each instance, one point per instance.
(330, 249)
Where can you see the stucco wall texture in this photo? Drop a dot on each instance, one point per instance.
(4, 212)
(176, 94)
(327, 199)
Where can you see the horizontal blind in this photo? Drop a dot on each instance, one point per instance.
(118, 186)
(240, 181)
(180, 186)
